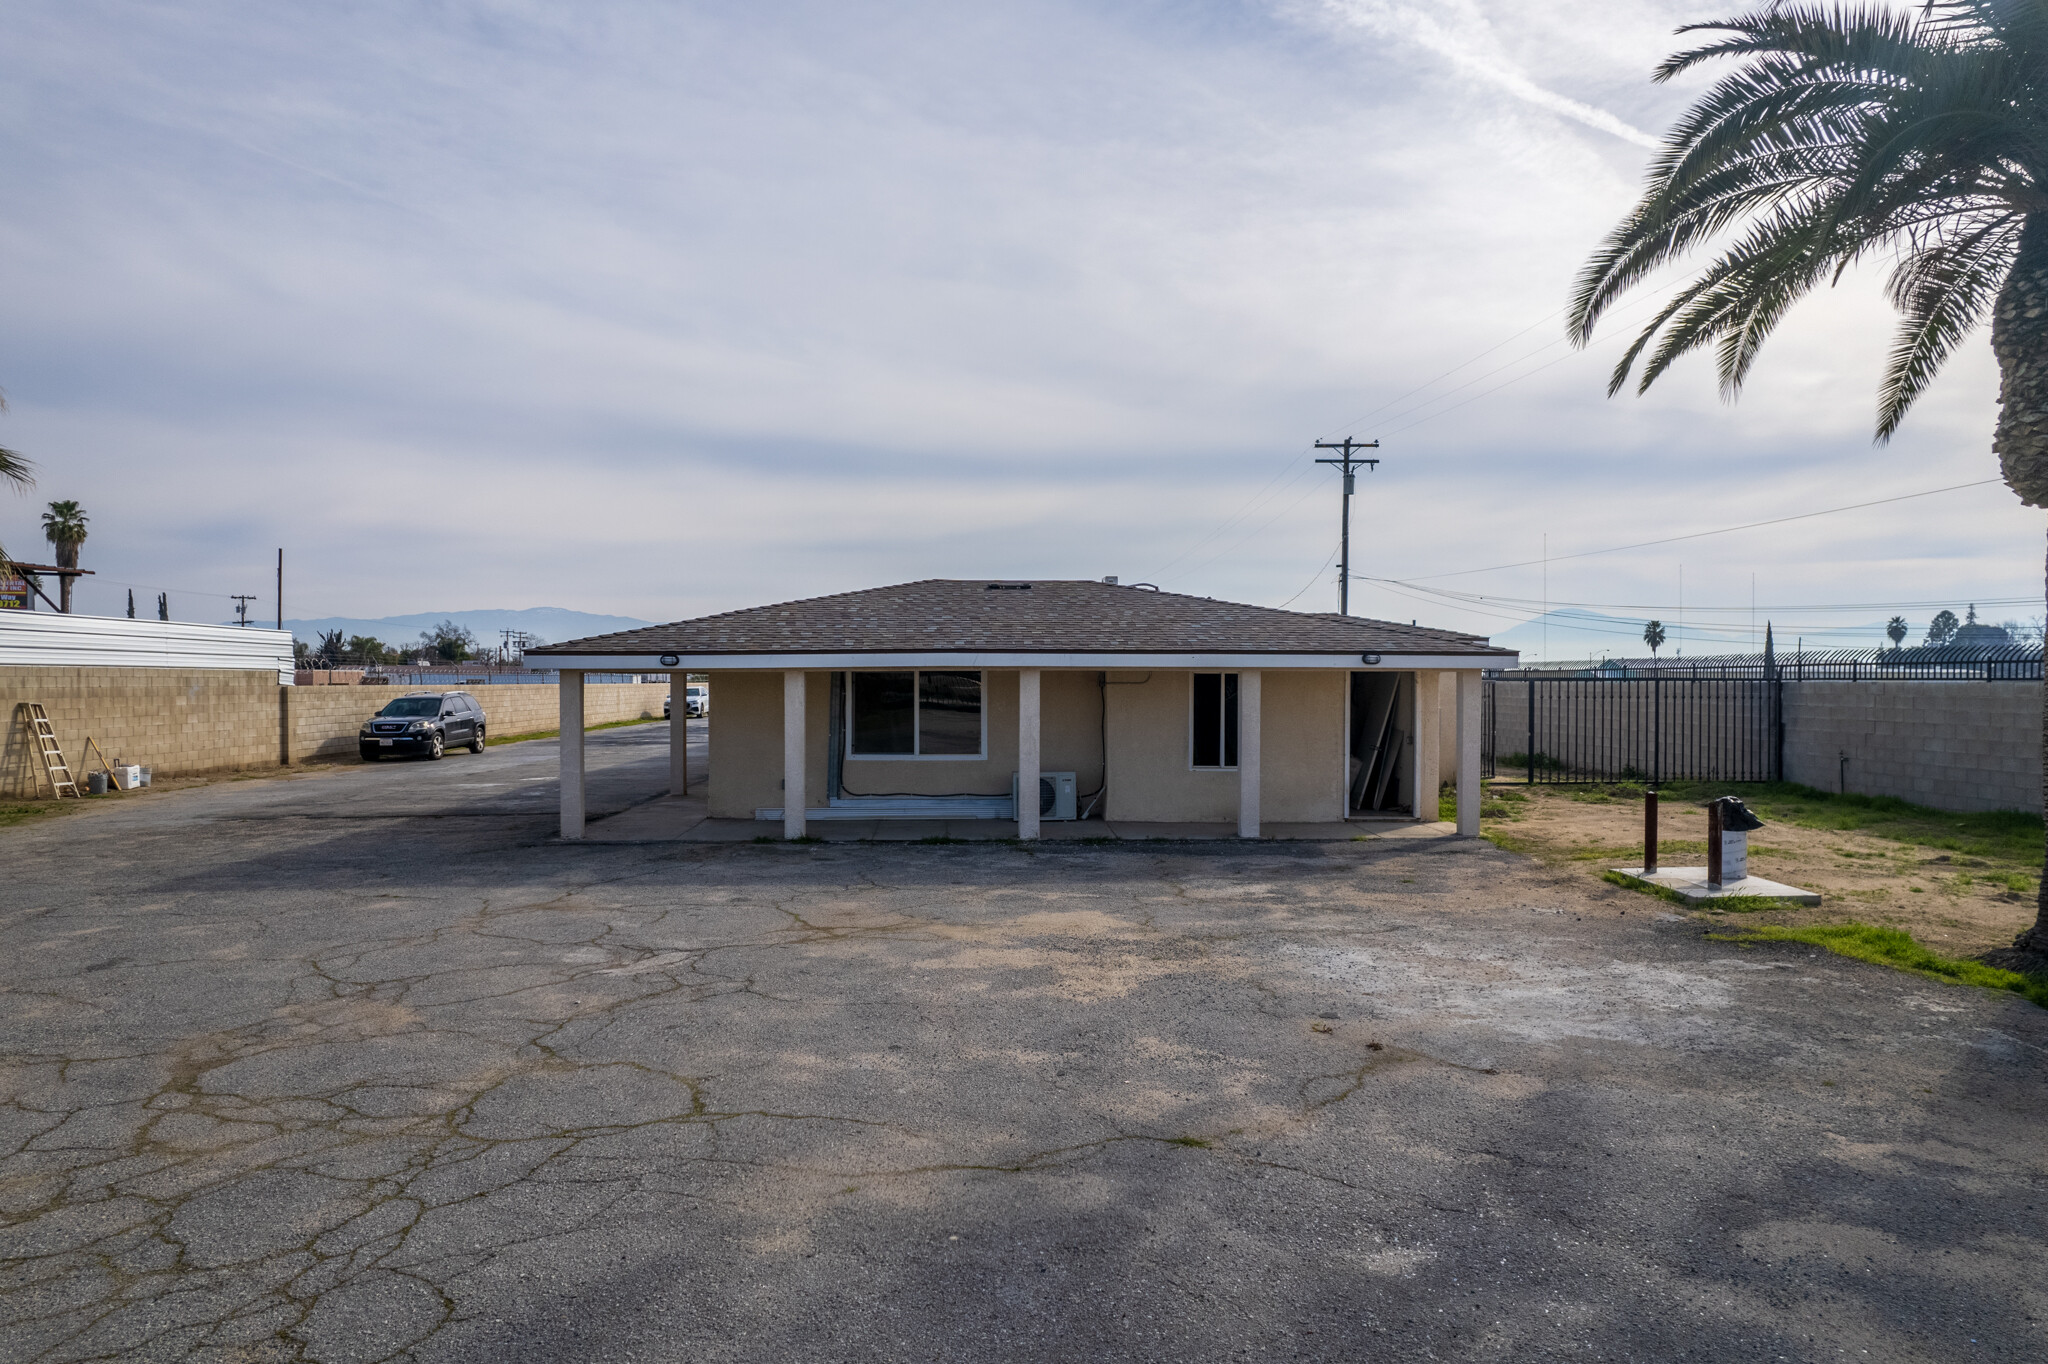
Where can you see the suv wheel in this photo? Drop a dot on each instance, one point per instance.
(476, 745)
(434, 747)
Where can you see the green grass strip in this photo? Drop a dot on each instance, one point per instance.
(493, 740)
(1894, 947)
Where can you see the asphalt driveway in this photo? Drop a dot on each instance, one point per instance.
(368, 1066)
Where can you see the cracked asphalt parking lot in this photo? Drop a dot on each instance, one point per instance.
(366, 1066)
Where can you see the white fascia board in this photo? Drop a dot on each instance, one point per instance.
(704, 663)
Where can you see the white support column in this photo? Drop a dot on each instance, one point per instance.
(1469, 715)
(1248, 755)
(794, 800)
(1427, 776)
(571, 747)
(678, 734)
(1027, 752)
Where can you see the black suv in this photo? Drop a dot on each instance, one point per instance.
(426, 722)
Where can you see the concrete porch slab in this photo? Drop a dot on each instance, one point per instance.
(685, 819)
(1691, 884)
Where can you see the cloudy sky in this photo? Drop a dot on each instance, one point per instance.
(659, 309)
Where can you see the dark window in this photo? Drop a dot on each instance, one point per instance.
(413, 705)
(935, 714)
(948, 713)
(884, 713)
(1214, 720)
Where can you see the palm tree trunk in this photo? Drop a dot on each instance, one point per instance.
(2035, 939)
(2019, 338)
(64, 594)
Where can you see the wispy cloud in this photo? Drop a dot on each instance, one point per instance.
(1458, 32)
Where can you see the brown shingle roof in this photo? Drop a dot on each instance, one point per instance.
(981, 615)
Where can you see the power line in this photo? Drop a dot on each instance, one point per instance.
(1698, 534)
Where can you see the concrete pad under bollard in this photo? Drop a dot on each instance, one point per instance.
(1691, 884)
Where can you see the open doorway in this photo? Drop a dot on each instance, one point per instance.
(1382, 721)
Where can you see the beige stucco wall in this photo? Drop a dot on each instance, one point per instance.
(746, 743)
(185, 723)
(1301, 777)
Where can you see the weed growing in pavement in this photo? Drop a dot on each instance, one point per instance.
(1896, 948)
(1202, 1142)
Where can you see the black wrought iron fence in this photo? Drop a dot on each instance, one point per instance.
(1699, 719)
(1550, 728)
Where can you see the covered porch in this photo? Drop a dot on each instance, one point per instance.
(934, 704)
(1113, 753)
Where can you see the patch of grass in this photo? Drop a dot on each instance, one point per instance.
(21, 812)
(493, 740)
(1201, 1143)
(2012, 836)
(1519, 762)
(1896, 948)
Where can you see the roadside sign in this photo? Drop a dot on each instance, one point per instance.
(14, 593)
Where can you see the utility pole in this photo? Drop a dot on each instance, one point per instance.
(1349, 463)
(242, 600)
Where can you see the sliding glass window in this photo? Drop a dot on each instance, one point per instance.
(914, 715)
(1213, 721)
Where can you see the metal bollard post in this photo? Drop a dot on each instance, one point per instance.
(1714, 844)
(1649, 831)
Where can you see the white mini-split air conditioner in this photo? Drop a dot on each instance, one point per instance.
(1055, 794)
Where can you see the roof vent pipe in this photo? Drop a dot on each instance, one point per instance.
(1110, 580)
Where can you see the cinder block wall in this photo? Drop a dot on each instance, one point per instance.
(325, 719)
(179, 722)
(1952, 745)
(186, 723)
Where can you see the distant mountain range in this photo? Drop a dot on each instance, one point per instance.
(552, 624)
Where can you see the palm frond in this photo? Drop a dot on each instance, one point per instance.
(17, 469)
(1845, 130)
(1941, 293)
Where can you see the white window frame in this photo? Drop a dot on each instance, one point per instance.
(1206, 672)
(916, 730)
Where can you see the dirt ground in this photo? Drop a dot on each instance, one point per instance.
(1956, 903)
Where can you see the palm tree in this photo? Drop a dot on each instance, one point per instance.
(1848, 131)
(1653, 635)
(64, 527)
(1895, 631)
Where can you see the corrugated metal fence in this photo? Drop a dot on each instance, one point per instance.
(49, 639)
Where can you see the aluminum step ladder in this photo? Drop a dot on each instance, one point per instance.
(54, 766)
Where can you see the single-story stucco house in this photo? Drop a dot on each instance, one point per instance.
(941, 699)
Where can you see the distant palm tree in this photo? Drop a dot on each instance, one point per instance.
(1849, 131)
(64, 527)
(1653, 635)
(1895, 631)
